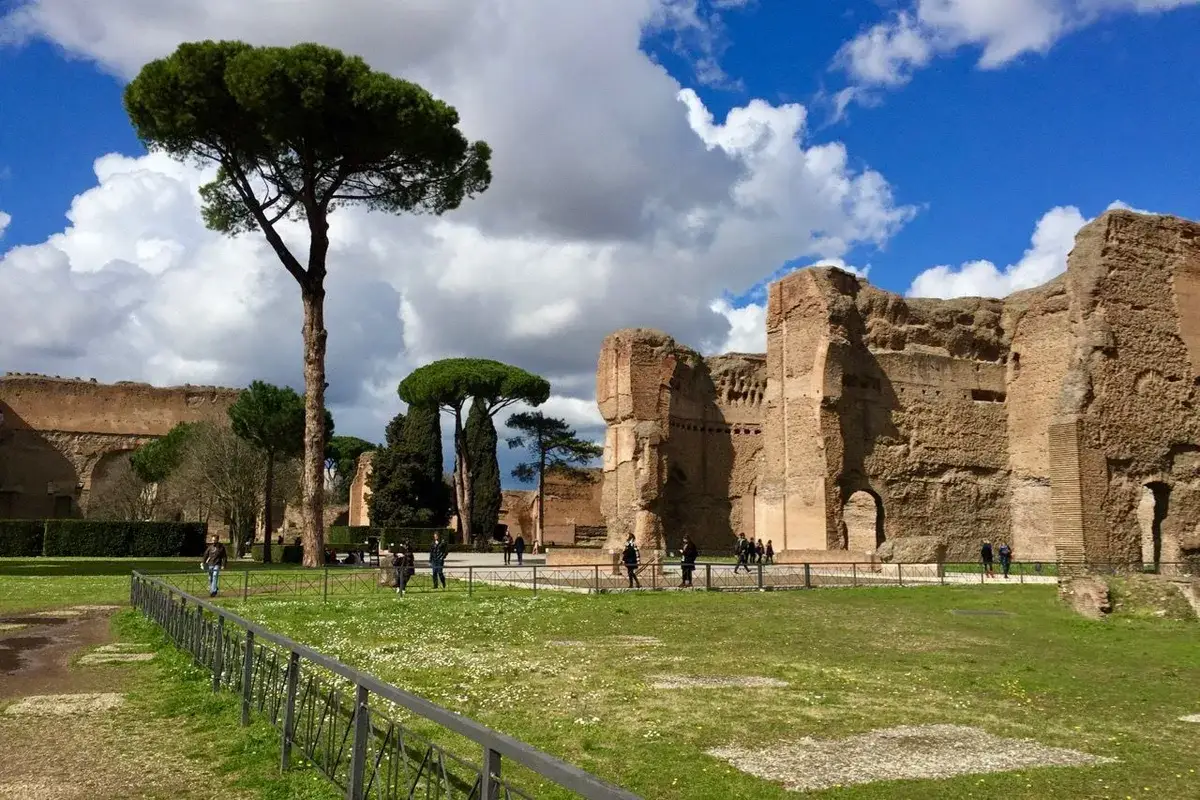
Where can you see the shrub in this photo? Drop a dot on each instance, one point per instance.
(119, 539)
(280, 553)
(21, 538)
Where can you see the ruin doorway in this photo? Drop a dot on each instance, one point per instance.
(1151, 513)
(863, 517)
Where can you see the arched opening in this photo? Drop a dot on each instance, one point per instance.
(1151, 512)
(114, 491)
(863, 517)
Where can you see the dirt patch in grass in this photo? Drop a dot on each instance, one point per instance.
(902, 753)
(716, 682)
(99, 757)
(115, 658)
(65, 705)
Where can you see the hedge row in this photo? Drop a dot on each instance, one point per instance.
(280, 553)
(21, 538)
(101, 538)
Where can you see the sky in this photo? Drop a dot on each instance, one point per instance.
(656, 163)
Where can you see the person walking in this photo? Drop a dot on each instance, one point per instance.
(687, 561)
(519, 546)
(742, 551)
(1005, 553)
(770, 552)
(508, 548)
(213, 561)
(759, 550)
(630, 558)
(437, 560)
(985, 555)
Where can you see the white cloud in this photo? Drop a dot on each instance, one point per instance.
(618, 200)
(1053, 238)
(888, 53)
(748, 322)
(5, 219)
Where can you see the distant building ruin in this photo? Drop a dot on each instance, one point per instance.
(61, 439)
(1063, 419)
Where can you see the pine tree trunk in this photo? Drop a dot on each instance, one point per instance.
(541, 526)
(268, 491)
(313, 498)
(465, 493)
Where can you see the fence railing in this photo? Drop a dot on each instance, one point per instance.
(345, 722)
(334, 582)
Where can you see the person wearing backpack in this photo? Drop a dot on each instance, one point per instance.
(630, 558)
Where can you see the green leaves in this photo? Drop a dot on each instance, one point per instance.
(300, 130)
(485, 470)
(271, 418)
(449, 383)
(551, 444)
(154, 461)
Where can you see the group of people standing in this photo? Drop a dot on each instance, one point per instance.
(752, 551)
(404, 563)
(987, 556)
(518, 547)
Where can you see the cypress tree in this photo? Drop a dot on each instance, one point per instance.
(407, 489)
(422, 447)
(485, 468)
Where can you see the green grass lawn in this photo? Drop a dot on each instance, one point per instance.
(856, 660)
(37, 583)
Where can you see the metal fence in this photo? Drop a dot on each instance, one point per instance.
(335, 582)
(350, 725)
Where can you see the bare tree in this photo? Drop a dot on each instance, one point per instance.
(231, 472)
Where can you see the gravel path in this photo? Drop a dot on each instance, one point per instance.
(907, 752)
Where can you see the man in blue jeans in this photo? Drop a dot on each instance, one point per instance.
(437, 561)
(213, 563)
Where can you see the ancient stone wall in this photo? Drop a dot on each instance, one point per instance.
(58, 434)
(572, 508)
(360, 490)
(683, 442)
(1127, 424)
(1062, 419)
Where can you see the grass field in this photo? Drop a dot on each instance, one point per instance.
(34, 583)
(573, 675)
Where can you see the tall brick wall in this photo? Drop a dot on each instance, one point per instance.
(59, 435)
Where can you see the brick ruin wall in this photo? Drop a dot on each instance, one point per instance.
(683, 444)
(1061, 419)
(62, 437)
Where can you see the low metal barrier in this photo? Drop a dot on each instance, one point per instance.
(335, 582)
(324, 710)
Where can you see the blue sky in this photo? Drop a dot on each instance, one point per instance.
(980, 123)
(1110, 113)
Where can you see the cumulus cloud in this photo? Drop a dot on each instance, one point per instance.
(618, 200)
(5, 219)
(888, 53)
(1053, 238)
(748, 321)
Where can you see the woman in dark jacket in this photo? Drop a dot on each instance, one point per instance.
(688, 561)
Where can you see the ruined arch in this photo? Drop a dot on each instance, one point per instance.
(862, 515)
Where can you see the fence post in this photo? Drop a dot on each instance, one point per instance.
(289, 712)
(900, 573)
(358, 755)
(596, 578)
(807, 575)
(247, 677)
(535, 578)
(470, 580)
(760, 578)
(655, 566)
(245, 585)
(489, 774)
(981, 574)
(854, 575)
(325, 586)
(708, 577)
(198, 635)
(219, 656)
